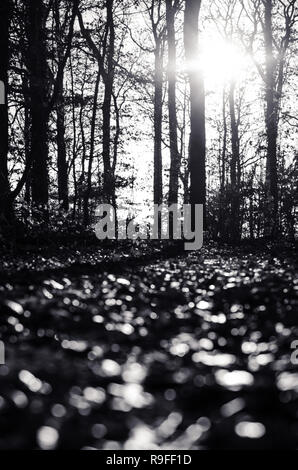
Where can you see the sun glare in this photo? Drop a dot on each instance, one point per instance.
(222, 61)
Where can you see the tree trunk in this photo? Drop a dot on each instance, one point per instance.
(174, 153)
(224, 144)
(61, 156)
(222, 171)
(183, 150)
(87, 193)
(197, 143)
(271, 123)
(74, 141)
(234, 168)
(251, 218)
(37, 70)
(108, 180)
(6, 214)
(158, 73)
(60, 110)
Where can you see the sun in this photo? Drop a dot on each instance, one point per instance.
(221, 61)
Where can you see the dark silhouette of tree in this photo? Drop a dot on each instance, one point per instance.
(108, 177)
(222, 170)
(197, 143)
(39, 94)
(42, 100)
(62, 165)
(158, 30)
(87, 193)
(234, 168)
(171, 9)
(271, 118)
(5, 196)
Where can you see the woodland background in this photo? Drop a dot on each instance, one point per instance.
(148, 101)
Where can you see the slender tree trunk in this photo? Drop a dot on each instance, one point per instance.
(108, 180)
(251, 219)
(222, 170)
(117, 133)
(271, 123)
(60, 110)
(82, 177)
(174, 153)
(61, 156)
(158, 76)
(224, 144)
(37, 69)
(197, 143)
(183, 151)
(6, 214)
(234, 167)
(86, 209)
(27, 139)
(74, 142)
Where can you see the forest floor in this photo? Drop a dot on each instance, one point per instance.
(120, 352)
